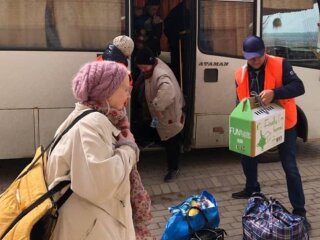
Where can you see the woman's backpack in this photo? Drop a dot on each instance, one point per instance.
(27, 209)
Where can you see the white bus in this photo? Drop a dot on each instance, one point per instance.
(43, 43)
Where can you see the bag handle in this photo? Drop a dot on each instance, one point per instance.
(57, 139)
(215, 231)
(270, 201)
(259, 195)
(188, 218)
(258, 100)
(274, 201)
(192, 231)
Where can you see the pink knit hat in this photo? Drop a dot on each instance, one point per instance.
(98, 80)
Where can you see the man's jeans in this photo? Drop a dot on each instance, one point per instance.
(287, 152)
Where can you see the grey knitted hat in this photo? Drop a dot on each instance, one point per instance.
(125, 44)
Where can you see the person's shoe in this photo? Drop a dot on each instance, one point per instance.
(171, 175)
(242, 194)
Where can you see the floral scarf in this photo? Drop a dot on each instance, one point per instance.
(139, 197)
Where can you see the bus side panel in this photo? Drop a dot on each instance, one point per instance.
(222, 27)
(32, 81)
(310, 105)
(39, 79)
(214, 101)
(216, 134)
(49, 121)
(17, 133)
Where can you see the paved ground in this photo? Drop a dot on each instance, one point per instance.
(218, 171)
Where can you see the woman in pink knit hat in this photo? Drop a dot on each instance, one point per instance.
(97, 157)
(120, 51)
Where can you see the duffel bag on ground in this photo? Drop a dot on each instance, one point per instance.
(268, 219)
(193, 214)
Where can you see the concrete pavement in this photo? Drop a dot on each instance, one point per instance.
(219, 171)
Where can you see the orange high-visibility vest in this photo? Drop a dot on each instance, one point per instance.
(272, 80)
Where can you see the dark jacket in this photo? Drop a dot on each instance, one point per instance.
(178, 20)
(292, 84)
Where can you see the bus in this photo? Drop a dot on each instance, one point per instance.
(43, 43)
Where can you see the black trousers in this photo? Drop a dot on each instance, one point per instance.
(173, 146)
(287, 152)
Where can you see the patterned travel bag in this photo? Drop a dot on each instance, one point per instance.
(268, 219)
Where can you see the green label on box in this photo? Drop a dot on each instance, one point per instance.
(240, 129)
(240, 136)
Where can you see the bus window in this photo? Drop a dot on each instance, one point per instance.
(290, 29)
(48, 41)
(223, 25)
(60, 24)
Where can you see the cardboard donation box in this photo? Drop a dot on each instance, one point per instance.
(254, 129)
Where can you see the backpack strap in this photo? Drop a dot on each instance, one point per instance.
(55, 141)
(40, 200)
(58, 138)
(56, 188)
(64, 197)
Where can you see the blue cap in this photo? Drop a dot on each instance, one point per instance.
(253, 46)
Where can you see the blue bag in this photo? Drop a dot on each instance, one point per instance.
(268, 219)
(179, 224)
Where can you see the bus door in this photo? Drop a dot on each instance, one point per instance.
(222, 27)
(177, 45)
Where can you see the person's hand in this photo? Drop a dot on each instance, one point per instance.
(267, 96)
(156, 19)
(126, 135)
(127, 138)
(123, 123)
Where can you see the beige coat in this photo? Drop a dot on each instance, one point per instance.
(164, 95)
(100, 206)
